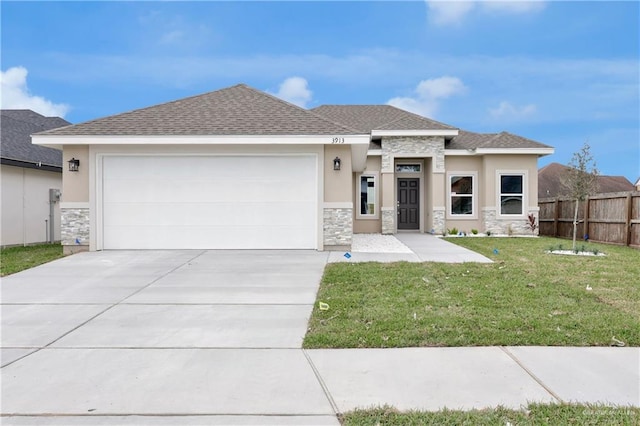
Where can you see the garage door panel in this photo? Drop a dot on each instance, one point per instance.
(203, 214)
(224, 237)
(210, 202)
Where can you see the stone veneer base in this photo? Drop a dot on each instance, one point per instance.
(388, 221)
(74, 226)
(337, 226)
(507, 226)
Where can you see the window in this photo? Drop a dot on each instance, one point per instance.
(461, 192)
(367, 195)
(511, 194)
(407, 168)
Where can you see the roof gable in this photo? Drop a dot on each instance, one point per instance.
(236, 110)
(17, 126)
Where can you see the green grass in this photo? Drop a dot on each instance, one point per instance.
(535, 414)
(527, 297)
(16, 259)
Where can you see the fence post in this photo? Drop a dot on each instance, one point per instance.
(629, 205)
(585, 227)
(556, 213)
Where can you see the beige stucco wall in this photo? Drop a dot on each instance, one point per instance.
(510, 163)
(464, 164)
(75, 185)
(25, 205)
(338, 184)
(367, 226)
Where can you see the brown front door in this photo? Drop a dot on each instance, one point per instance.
(408, 203)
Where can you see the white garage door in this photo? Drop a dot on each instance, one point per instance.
(210, 202)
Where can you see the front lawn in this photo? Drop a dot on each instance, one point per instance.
(16, 259)
(527, 297)
(535, 414)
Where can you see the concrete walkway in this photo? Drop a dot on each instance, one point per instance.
(417, 248)
(213, 337)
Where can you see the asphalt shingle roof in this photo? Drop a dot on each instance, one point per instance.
(236, 110)
(551, 176)
(16, 128)
(471, 140)
(378, 117)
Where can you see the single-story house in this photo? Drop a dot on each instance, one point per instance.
(31, 179)
(240, 169)
(550, 182)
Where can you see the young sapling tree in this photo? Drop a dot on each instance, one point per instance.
(580, 180)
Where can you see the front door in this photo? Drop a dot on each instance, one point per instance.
(408, 203)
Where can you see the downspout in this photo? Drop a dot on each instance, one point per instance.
(54, 197)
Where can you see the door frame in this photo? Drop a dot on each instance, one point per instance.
(421, 190)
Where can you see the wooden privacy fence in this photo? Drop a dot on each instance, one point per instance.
(608, 218)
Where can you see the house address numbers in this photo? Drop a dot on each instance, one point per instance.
(337, 140)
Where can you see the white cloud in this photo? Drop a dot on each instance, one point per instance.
(14, 94)
(428, 94)
(514, 6)
(449, 12)
(507, 110)
(453, 12)
(295, 90)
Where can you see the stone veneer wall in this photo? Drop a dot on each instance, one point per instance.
(74, 227)
(507, 226)
(337, 227)
(413, 146)
(388, 220)
(438, 221)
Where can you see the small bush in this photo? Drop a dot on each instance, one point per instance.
(453, 231)
(474, 231)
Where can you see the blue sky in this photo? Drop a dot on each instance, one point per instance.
(562, 73)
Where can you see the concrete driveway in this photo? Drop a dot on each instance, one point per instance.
(174, 336)
(214, 337)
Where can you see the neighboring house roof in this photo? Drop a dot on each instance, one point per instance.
(471, 140)
(378, 117)
(550, 182)
(236, 110)
(16, 127)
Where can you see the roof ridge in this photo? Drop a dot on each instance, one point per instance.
(308, 111)
(33, 123)
(151, 106)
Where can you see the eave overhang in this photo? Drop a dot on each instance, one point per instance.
(500, 151)
(445, 133)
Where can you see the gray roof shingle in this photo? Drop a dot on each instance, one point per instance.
(378, 117)
(236, 110)
(471, 140)
(16, 128)
(551, 176)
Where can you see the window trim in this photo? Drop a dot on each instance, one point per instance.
(376, 204)
(499, 195)
(474, 195)
(412, 163)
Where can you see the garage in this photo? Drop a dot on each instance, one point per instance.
(209, 201)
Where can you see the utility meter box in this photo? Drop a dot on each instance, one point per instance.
(54, 195)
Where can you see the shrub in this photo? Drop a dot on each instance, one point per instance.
(474, 231)
(453, 231)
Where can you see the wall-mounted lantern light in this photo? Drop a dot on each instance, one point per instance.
(74, 165)
(336, 163)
